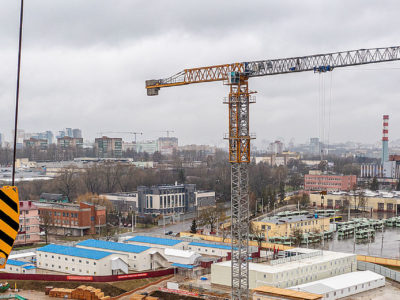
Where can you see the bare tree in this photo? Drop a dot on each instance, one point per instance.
(210, 216)
(257, 233)
(66, 183)
(46, 223)
(297, 236)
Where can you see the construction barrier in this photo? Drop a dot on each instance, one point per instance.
(379, 260)
(109, 278)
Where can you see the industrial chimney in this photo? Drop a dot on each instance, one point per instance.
(385, 139)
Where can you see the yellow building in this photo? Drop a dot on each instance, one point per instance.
(284, 226)
(387, 202)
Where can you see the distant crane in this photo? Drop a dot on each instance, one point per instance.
(168, 131)
(125, 132)
(236, 76)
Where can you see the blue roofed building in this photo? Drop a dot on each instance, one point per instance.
(157, 242)
(19, 267)
(75, 260)
(140, 258)
(220, 250)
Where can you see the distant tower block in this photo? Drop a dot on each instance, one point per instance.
(385, 139)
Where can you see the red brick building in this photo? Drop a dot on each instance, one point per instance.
(72, 219)
(317, 181)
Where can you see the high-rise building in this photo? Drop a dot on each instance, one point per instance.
(276, 147)
(108, 147)
(46, 135)
(315, 146)
(77, 133)
(67, 142)
(1, 140)
(41, 144)
(167, 145)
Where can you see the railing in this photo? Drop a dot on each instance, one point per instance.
(389, 273)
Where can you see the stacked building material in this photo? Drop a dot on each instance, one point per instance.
(61, 293)
(82, 292)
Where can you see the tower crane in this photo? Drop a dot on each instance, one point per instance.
(236, 76)
(134, 133)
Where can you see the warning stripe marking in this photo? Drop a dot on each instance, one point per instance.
(7, 200)
(10, 222)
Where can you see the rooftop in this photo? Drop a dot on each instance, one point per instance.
(225, 247)
(182, 266)
(180, 253)
(338, 282)
(74, 251)
(274, 291)
(154, 240)
(16, 262)
(113, 246)
(291, 265)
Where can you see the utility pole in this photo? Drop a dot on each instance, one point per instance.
(262, 205)
(132, 222)
(382, 242)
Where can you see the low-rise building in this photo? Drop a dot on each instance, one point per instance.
(318, 181)
(19, 267)
(376, 201)
(210, 249)
(344, 285)
(204, 199)
(71, 219)
(49, 197)
(123, 202)
(140, 258)
(284, 226)
(300, 266)
(29, 227)
(74, 260)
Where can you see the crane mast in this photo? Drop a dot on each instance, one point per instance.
(236, 76)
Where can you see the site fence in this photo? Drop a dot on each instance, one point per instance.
(389, 273)
(109, 278)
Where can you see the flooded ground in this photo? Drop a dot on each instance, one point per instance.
(389, 247)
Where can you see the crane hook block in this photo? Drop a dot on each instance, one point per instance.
(9, 221)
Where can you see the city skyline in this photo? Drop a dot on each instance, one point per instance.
(95, 76)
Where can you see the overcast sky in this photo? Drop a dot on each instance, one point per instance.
(84, 65)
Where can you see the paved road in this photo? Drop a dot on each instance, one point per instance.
(175, 228)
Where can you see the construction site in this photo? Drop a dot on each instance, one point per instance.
(285, 254)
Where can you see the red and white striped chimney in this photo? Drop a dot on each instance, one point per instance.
(385, 139)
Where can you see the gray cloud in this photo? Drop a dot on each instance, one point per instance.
(85, 63)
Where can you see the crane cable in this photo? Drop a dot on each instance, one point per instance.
(21, 17)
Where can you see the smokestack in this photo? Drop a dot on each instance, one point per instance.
(385, 139)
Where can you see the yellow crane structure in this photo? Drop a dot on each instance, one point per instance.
(236, 76)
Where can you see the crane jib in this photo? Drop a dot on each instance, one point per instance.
(316, 63)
